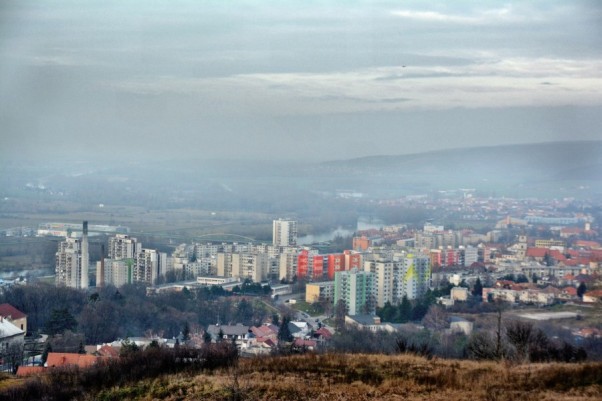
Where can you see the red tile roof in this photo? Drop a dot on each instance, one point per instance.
(30, 370)
(587, 244)
(299, 342)
(541, 252)
(570, 291)
(64, 359)
(323, 332)
(108, 351)
(7, 310)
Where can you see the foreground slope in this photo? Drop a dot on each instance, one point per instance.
(371, 377)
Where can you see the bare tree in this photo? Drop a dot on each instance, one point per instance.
(340, 311)
(520, 335)
(481, 346)
(436, 318)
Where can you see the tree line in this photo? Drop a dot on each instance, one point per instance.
(110, 313)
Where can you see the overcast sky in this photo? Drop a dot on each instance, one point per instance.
(303, 80)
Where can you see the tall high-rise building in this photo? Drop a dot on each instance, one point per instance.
(356, 288)
(383, 280)
(149, 265)
(310, 265)
(411, 277)
(288, 264)
(72, 260)
(284, 232)
(122, 246)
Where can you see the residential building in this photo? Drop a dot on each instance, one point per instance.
(356, 288)
(382, 272)
(288, 264)
(335, 263)
(14, 315)
(72, 261)
(122, 246)
(12, 339)
(310, 265)
(315, 292)
(251, 265)
(149, 265)
(284, 232)
(361, 243)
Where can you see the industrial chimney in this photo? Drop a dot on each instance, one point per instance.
(100, 270)
(85, 280)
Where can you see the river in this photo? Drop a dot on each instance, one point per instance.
(363, 223)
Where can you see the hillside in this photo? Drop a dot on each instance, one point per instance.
(368, 377)
(571, 167)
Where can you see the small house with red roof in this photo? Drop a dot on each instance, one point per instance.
(26, 371)
(14, 315)
(592, 296)
(59, 359)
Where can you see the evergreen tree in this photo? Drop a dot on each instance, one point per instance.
(284, 333)
(186, 331)
(477, 290)
(60, 321)
(404, 311)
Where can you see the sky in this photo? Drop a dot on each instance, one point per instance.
(283, 80)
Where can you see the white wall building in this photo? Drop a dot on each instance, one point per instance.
(284, 232)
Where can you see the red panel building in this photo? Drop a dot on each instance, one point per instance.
(310, 265)
(336, 263)
(353, 260)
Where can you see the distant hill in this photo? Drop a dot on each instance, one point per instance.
(551, 164)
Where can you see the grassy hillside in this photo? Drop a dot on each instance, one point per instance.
(368, 377)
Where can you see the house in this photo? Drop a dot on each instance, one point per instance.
(12, 339)
(299, 329)
(26, 371)
(592, 296)
(228, 332)
(323, 334)
(459, 294)
(14, 315)
(503, 294)
(538, 297)
(300, 343)
(368, 322)
(108, 351)
(265, 332)
(58, 359)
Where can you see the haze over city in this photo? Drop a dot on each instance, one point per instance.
(276, 200)
(294, 81)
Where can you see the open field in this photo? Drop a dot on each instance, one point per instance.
(372, 377)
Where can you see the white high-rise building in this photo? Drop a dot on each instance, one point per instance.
(383, 280)
(122, 246)
(149, 265)
(411, 277)
(72, 260)
(287, 263)
(284, 232)
(251, 265)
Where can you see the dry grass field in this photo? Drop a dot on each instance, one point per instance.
(372, 377)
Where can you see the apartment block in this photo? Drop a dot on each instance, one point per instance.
(356, 288)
